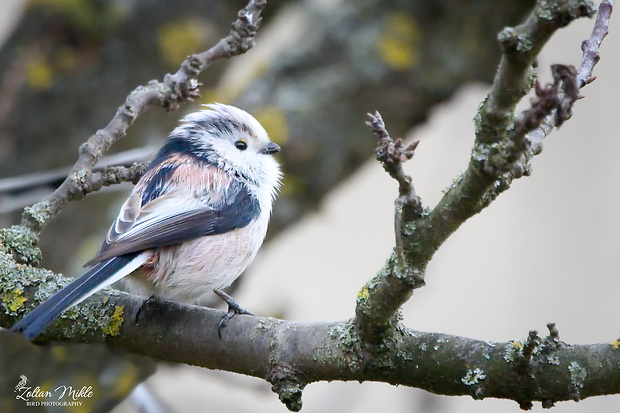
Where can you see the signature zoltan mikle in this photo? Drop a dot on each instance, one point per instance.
(25, 392)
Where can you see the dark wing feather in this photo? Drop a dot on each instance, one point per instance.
(174, 220)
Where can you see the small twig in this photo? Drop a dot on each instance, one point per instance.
(378, 301)
(53, 178)
(174, 90)
(113, 175)
(392, 154)
(555, 98)
(590, 47)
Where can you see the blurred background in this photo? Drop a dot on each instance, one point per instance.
(544, 251)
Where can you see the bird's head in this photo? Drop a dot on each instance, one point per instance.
(233, 140)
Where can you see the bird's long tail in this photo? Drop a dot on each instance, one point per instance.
(96, 278)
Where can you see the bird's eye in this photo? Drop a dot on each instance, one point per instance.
(241, 145)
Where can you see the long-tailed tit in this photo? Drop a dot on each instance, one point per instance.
(192, 224)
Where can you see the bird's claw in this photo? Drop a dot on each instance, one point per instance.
(143, 306)
(232, 310)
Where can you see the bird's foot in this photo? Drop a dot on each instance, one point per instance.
(233, 308)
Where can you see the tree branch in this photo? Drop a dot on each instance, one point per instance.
(591, 46)
(494, 153)
(408, 206)
(392, 155)
(528, 140)
(373, 345)
(175, 89)
(291, 354)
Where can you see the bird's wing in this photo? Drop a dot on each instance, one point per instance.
(175, 217)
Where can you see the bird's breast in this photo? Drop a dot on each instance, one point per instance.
(187, 271)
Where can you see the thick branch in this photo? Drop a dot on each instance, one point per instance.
(291, 354)
(173, 91)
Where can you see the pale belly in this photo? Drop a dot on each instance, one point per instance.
(188, 271)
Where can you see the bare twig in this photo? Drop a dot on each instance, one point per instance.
(174, 90)
(591, 46)
(557, 98)
(402, 277)
(392, 155)
(28, 182)
(112, 175)
(20, 191)
(573, 80)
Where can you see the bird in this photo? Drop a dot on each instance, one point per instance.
(22, 383)
(193, 222)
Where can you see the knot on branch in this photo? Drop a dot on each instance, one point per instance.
(553, 339)
(185, 89)
(531, 345)
(241, 38)
(128, 111)
(510, 42)
(287, 386)
(192, 66)
(523, 361)
(533, 357)
(411, 276)
(392, 154)
(535, 350)
(93, 148)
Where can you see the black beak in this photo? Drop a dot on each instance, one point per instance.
(271, 148)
